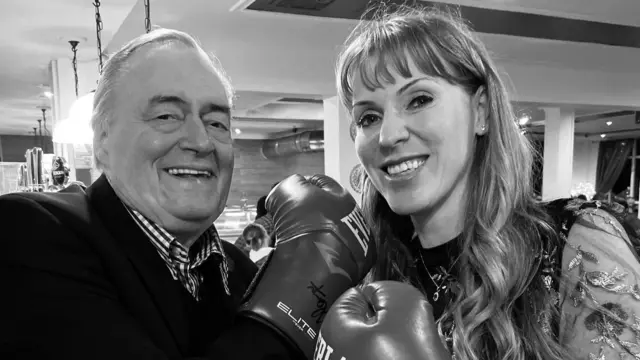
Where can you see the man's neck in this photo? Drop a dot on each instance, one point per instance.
(187, 241)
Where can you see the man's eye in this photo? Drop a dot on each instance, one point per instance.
(167, 117)
(218, 125)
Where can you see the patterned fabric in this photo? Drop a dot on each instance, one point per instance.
(182, 263)
(601, 292)
(592, 277)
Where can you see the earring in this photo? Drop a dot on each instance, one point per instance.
(483, 128)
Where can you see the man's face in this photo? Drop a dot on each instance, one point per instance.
(168, 150)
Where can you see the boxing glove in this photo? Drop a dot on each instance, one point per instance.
(382, 320)
(323, 247)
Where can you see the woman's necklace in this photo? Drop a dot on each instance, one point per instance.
(436, 294)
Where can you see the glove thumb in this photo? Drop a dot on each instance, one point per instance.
(328, 184)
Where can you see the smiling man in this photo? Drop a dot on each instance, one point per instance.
(134, 268)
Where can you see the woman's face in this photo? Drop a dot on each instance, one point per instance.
(416, 139)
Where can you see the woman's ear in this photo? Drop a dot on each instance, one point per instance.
(481, 111)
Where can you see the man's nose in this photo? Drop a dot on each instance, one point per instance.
(393, 130)
(197, 138)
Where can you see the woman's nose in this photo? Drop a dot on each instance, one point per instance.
(393, 130)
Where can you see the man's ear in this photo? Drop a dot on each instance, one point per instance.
(481, 111)
(100, 147)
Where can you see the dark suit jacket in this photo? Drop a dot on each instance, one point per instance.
(81, 280)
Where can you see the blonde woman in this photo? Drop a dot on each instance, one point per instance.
(449, 197)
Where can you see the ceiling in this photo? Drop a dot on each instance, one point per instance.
(590, 123)
(623, 12)
(34, 32)
(271, 57)
(269, 115)
(611, 128)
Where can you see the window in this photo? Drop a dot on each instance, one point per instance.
(624, 180)
(630, 176)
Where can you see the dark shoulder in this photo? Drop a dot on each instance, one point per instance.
(24, 206)
(70, 201)
(40, 231)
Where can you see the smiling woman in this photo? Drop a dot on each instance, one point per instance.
(448, 194)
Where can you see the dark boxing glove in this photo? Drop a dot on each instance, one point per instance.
(323, 248)
(382, 320)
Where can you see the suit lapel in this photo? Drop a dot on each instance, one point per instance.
(144, 257)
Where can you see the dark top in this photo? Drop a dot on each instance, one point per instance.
(437, 273)
(81, 280)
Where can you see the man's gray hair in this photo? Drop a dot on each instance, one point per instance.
(117, 66)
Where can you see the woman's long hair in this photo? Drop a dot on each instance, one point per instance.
(505, 228)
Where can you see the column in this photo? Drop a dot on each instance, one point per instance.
(339, 152)
(558, 153)
(64, 95)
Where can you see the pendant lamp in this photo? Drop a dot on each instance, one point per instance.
(76, 129)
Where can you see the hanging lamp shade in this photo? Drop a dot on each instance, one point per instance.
(76, 129)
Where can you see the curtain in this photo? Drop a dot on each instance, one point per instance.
(612, 156)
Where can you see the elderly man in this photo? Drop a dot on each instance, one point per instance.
(134, 268)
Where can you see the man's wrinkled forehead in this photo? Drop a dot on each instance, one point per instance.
(168, 59)
(175, 68)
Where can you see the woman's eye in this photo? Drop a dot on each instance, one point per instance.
(420, 101)
(367, 119)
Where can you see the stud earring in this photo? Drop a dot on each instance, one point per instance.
(482, 128)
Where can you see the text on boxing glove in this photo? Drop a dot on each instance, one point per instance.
(324, 351)
(355, 222)
(299, 322)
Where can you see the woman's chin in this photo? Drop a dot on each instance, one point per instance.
(404, 207)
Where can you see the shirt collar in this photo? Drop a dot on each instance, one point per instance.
(208, 243)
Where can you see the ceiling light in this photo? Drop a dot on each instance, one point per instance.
(76, 129)
(238, 131)
(609, 123)
(603, 135)
(48, 94)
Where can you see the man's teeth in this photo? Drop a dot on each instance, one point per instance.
(188, 172)
(405, 166)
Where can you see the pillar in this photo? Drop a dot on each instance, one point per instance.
(638, 200)
(557, 170)
(339, 151)
(64, 95)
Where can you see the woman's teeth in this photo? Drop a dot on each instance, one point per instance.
(405, 167)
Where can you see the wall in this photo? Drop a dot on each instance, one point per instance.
(15, 146)
(585, 161)
(253, 175)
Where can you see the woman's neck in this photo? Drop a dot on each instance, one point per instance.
(440, 224)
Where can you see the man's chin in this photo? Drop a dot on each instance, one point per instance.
(195, 214)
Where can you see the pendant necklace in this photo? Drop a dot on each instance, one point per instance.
(441, 286)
